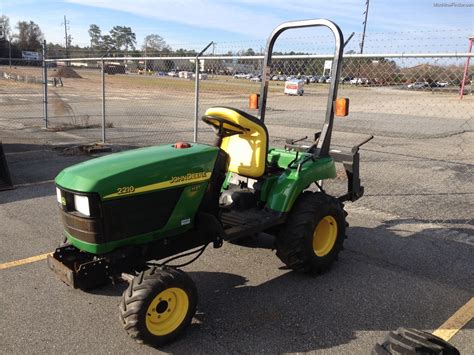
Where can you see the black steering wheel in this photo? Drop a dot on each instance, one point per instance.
(222, 127)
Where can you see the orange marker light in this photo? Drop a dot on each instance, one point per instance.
(253, 101)
(181, 145)
(341, 107)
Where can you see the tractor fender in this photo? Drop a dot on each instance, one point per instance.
(295, 180)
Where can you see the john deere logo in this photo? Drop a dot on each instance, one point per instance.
(174, 181)
(188, 177)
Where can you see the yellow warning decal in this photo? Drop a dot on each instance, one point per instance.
(174, 181)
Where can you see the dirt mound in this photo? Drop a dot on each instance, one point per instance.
(66, 72)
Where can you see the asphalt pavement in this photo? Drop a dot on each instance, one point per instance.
(408, 261)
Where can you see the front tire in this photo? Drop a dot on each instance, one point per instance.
(158, 305)
(314, 233)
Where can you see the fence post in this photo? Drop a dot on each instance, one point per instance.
(196, 93)
(196, 101)
(466, 68)
(103, 100)
(45, 87)
(10, 52)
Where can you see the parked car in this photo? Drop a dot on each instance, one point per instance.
(173, 74)
(442, 84)
(202, 76)
(113, 68)
(274, 78)
(256, 78)
(346, 79)
(328, 80)
(359, 81)
(186, 74)
(322, 79)
(418, 85)
(242, 76)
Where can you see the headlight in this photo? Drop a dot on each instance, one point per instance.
(81, 204)
(58, 195)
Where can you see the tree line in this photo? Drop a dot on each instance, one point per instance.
(28, 36)
(118, 41)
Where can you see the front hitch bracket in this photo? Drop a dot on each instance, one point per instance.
(78, 269)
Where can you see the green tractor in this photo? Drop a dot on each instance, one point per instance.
(124, 212)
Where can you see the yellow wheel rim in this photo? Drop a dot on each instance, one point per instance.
(324, 236)
(167, 311)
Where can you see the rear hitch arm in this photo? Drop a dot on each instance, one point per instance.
(351, 161)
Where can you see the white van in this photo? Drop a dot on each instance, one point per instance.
(294, 87)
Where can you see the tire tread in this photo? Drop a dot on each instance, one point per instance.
(291, 241)
(138, 292)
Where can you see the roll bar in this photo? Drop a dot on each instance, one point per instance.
(322, 148)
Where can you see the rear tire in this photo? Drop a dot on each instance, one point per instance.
(158, 305)
(412, 341)
(314, 233)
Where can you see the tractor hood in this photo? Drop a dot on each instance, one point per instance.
(140, 170)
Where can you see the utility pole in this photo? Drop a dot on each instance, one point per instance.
(366, 12)
(66, 23)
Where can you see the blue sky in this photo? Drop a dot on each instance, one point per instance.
(236, 24)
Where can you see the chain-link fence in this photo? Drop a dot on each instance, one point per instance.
(417, 169)
(420, 162)
(148, 100)
(155, 105)
(21, 93)
(143, 107)
(138, 108)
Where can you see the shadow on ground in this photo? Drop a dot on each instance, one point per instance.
(382, 281)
